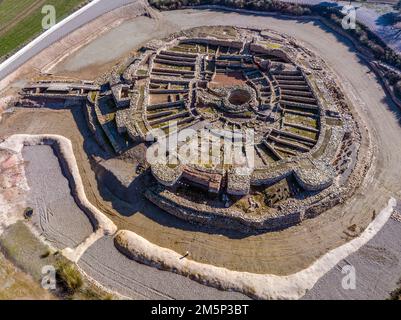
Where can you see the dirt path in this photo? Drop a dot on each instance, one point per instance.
(71, 34)
(107, 265)
(377, 269)
(278, 252)
(16, 285)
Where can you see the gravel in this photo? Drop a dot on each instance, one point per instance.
(56, 215)
(377, 269)
(105, 264)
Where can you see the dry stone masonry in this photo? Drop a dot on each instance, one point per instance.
(223, 85)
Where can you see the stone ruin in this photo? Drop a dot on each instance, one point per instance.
(304, 143)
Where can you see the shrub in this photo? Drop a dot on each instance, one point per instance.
(69, 277)
(392, 77)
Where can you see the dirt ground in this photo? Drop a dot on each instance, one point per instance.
(377, 266)
(16, 285)
(223, 80)
(281, 252)
(46, 60)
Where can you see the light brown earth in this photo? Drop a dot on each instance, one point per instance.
(16, 285)
(233, 79)
(281, 252)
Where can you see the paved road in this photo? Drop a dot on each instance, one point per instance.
(93, 10)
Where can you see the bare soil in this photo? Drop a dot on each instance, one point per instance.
(227, 80)
(281, 252)
(16, 285)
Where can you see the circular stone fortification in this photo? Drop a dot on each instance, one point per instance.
(259, 88)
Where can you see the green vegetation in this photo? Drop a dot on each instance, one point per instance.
(178, 49)
(192, 48)
(170, 66)
(185, 48)
(142, 72)
(21, 21)
(17, 285)
(172, 165)
(109, 117)
(304, 120)
(304, 133)
(93, 95)
(202, 48)
(334, 122)
(10, 9)
(208, 110)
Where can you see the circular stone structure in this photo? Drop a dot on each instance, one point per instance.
(239, 97)
(264, 138)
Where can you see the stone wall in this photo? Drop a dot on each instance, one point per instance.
(220, 218)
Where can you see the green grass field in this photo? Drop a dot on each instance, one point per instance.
(21, 20)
